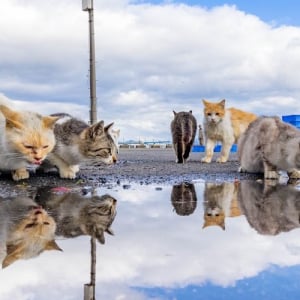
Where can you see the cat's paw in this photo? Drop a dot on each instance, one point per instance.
(20, 174)
(69, 172)
(206, 159)
(222, 159)
(294, 174)
(271, 175)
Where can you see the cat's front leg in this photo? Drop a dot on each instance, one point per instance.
(68, 172)
(209, 151)
(270, 171)
(224, 152)
(20, 174)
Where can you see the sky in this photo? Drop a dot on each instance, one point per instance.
(152, 57)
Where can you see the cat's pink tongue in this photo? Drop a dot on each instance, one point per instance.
(38, 162)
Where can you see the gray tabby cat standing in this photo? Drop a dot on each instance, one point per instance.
(78, 142)
(270, 145)
(183, 129)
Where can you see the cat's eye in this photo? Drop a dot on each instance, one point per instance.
(30, 225)
(46, 223)
(45, 147)
(217, 114)
(209, 114)
(28, 146)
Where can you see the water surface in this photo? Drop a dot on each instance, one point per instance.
(191, 241)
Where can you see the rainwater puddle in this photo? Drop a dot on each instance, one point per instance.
(200, 240)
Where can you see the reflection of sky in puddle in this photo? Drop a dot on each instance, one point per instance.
(157, 253)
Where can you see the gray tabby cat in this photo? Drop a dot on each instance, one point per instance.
(270, 145)
(77, 215)
(183, 129)
(77, 142)
(270, 209)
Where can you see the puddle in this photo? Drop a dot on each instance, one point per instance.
(200, 240)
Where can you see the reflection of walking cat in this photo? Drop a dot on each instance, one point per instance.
(220, 202)
(77, 215)
(184, 198)
(270, 209)
(183, 129)
(26, 139)
(26, 230)
(268, 146)
(223, 125)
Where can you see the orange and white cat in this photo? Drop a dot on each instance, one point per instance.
(26, 139)
(223, 125)
(26, 230)
(220, 202)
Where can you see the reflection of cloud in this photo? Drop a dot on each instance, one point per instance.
(153, 247)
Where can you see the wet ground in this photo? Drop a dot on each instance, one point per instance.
(144, 166)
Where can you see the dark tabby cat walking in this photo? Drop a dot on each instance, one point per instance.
(183, 129)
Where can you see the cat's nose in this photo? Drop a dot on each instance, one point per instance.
(38, 159)
(114, 159)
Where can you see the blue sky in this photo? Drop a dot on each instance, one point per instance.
(151, 58)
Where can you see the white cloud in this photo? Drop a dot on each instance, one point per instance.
(153, 58)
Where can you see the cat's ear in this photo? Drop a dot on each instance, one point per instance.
(222, 103)
(204, 102)
(95, 130)
(52, 245)
(12, 118)
(175, 113)
(100, 236)
(109, 231)
(49, 122)
(191, 111)
(108, 127)
(9, 259)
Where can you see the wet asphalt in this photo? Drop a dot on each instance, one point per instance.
(142, 166)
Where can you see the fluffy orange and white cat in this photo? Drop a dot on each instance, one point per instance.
(223, 125)
(26, 139)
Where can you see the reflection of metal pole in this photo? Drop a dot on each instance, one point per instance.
(89, 289)
(87, 5)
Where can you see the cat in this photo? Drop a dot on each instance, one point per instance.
(270, 209)
(26, 140)
(270, 145)
(26, 230)
(220, 202)
(115, 134)
(223, 125)
(183, 129)
(77, 142)
(77, 215)
(184, 198)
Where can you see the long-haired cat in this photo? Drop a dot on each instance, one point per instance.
(183, 129)
(77, 142)
(184, 198)
(220, 202)
(223, 125)
(77, 215)
(26, 230)
(270, 145)
(26, 139)
(270, 209)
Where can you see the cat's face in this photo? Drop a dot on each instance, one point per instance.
(214, 112)
(97, 217)
(29, 135)
(31, 233)
(97, 143)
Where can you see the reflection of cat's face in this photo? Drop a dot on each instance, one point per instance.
(30, 236)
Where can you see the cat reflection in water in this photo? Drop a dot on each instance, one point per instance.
(220, 202)
(270, 209)
(26, 230)
(77, 215)
(184, 198)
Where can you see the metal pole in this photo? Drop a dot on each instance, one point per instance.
(90, 289)
(93, 97)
